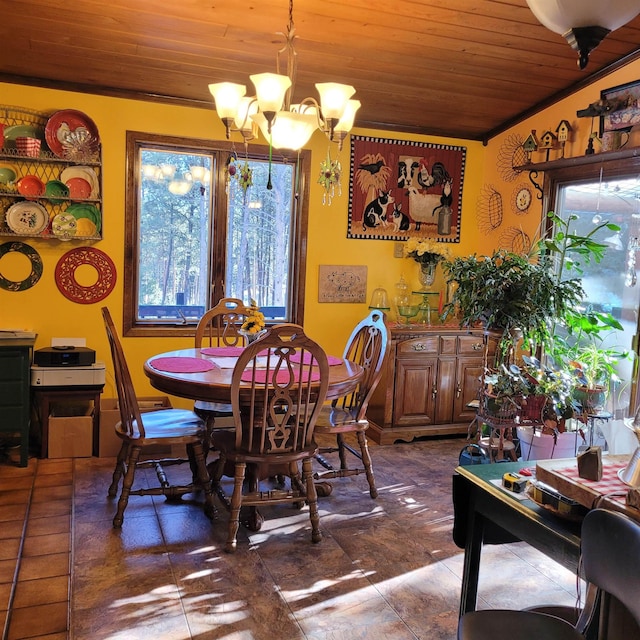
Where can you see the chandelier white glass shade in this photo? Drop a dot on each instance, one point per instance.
(285, 126)
(584, 23)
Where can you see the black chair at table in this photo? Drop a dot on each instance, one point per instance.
(367, 346)
(161, 427)
(610, 558)
(276, 401)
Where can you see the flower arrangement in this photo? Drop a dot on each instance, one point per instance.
(424, 251)
(254, 322)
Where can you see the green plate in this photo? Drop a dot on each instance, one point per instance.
(78, 210)
(55, 191)
(21, 130)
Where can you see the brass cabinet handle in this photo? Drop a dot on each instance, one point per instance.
(419, 347)
(477, 346)
(458, 390)
(434, 393)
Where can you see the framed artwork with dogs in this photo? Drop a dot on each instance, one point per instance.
(400, 188)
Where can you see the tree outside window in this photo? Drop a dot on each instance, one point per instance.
(195, 233)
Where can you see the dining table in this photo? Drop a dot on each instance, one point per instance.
(206, 374)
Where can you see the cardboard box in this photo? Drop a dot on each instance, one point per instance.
(70, 436)
(108, 441)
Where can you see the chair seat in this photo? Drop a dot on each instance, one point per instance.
(514, 625)
(166, 424)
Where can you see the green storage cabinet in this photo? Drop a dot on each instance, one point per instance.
(15, 363)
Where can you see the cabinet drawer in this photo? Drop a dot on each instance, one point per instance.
(470, 345)
(425, 344)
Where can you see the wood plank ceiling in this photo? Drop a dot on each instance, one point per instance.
(462, 68)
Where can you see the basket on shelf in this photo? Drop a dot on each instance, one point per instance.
(498, 410)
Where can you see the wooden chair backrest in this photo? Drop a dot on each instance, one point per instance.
(367, 346)
(279, 417)
(127, 401)
(219, 326)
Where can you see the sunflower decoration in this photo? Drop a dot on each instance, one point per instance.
(330, 172)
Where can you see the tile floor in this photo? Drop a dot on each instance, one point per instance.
(386, 568)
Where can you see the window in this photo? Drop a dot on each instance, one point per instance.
(591, 192)
(202, 225)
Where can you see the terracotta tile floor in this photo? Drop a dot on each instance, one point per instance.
(386, 568)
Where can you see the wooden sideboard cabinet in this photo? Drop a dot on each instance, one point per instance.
(430, 375)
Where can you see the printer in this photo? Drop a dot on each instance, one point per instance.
(67, 362)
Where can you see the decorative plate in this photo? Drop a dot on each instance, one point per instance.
(79, 188)
(30, 187)
(7, 173)
(522, 199)
(22, 131)
(72, 289)
(56, 191)
(86, 173)
(64, 226)
(79, 211)
(72, 135)
(36, 266)
(27, 218)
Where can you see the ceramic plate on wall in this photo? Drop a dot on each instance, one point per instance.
(86, 173)
(64, 226)
(7, 173)
(70, 132)
(30, 187)
(79, 188)
(27, 218)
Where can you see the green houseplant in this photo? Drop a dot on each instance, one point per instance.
(510, 293)
(581, 335)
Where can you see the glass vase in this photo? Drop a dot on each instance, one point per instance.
(427, 275)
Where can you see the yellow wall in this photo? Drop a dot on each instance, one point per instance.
(45, 310)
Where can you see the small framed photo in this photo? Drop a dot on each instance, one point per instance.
(626, 107)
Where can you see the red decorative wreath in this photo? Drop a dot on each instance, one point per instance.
(72, 289)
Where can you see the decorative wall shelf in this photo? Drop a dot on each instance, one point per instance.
(594, 158)
(56, 215)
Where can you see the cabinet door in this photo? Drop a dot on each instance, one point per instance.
(466, 387)
(414, 397)
(445, 390)
(14, 388)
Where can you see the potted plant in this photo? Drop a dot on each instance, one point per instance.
(511, 293)
(581, 335)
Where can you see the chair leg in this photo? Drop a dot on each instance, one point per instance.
(312, 500)
(203, 480)
(127, 483)
(236, 503)
(119, 469)
(342, 451)
(366, 460)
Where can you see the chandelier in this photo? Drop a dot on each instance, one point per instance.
(584, 24)
(285, 125)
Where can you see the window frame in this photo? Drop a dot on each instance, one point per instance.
(301, 161)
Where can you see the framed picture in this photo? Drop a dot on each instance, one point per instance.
(400, 188)
(342, 283)
(626, 107)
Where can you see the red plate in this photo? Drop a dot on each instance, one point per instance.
(68, 121)
(31, 187)
(79, 188)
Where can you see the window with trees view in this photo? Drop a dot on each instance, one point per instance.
(202, 224)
